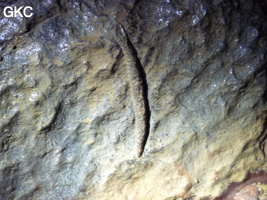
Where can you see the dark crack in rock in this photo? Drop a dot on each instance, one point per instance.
(66, 116)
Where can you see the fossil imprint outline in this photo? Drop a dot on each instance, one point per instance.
(138, 88)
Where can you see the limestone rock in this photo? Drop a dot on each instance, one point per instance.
(66, 116)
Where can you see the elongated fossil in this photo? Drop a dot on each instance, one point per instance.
(137, 89)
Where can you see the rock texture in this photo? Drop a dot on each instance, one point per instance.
(66, 115)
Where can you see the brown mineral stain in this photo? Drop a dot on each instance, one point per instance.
(249, 192)
(236, 191)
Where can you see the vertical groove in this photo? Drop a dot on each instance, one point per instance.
(138, 90)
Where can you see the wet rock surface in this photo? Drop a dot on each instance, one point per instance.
(66, 116)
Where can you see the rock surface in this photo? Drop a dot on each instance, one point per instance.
(250, 192)
(66, 116)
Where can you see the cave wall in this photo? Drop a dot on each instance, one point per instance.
(67, 118)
